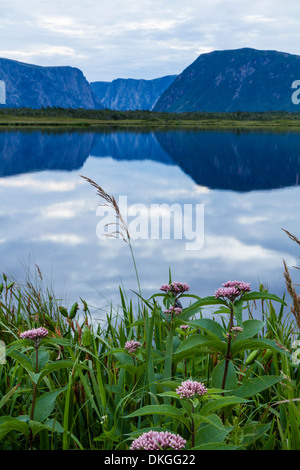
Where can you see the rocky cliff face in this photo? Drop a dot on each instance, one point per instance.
(36, 87)
(130, 94)
(234, 80)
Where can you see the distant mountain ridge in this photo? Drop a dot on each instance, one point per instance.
(234, 80)
(35, 86)
(221, 81)
(130, 94)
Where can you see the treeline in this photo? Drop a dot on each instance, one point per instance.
(108, 114)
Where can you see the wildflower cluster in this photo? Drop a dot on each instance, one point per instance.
(232, 290)
(175, 288)
(36, 334)
(235, 330)
(173, 311)
(189, 388)
(154, 440)
(184, 327)
(132, 346)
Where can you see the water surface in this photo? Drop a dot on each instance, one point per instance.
(248, 183)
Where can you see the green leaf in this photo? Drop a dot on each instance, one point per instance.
(43, 359)
(211, 327)
(195, 343)
(210, 300)
(254, 431)
(51, 425)
(218, 373)
(238, 312)
(22, 359)
(53, 366)
(45, 404)
(261, 296)
(6, 397)
(212, 432)
(8, 424)
(164, 410)
(257, 343)
(216, 446)
(251, 328)
(220, 403)
(256, 385)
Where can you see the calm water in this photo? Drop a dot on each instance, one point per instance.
(248, 183)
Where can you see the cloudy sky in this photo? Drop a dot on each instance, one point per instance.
(108, 39)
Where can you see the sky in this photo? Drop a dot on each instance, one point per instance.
(109, 39)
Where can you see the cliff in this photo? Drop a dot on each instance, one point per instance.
(131, 94)
(34, 86)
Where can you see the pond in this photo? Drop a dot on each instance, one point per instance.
(233, 192)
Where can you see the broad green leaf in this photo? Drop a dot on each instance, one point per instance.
(212, 432)
(8, 424)
(256, 385)
(262, 296)
(211, 327)
(43, 359)
(251, 328)
(54, 425)
(210, 300)
(195, 343)
(164, 410)
(35, 377)
(51, 425)
(220, 403)
(53, 366)
(212, 420)
(22, 359)
(218, 373)
(45, 404)
(257, 343)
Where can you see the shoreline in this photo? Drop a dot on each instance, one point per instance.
(91, 119)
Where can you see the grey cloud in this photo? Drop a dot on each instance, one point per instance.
(146, 39)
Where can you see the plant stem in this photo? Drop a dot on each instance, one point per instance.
(34, 390)
(193, 427)
(228, 355)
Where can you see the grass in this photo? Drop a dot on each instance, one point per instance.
(80, 388)
(57, 117)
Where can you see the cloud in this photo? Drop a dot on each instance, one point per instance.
(145, 39)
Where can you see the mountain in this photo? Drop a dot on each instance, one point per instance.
(34, 86)
(234, 80)
(131, 94)
(233, 161)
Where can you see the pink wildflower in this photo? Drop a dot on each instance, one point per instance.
(173, 310)
(35, 334)
(184, 327)
(189, 388)
(154, 440)
(231, 290)
(132, 346)
(175, 288)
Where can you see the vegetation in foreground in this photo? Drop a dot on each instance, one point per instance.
(48, 117)
(162, 376)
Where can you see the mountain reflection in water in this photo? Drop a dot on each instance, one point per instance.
(248, 183)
